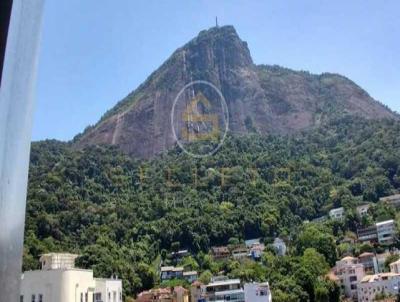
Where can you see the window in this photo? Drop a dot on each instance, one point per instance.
(81, 297)
(97, 297)
(86, 297)
(21, 298)
(33, 298)
(353, 278)
(40, 298)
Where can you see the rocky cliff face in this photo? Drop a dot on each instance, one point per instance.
(263, 99)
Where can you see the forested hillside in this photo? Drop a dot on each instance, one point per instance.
(123, 214)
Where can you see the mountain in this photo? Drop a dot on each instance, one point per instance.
(260, 98)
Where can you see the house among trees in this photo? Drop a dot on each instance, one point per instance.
(337, 213)
(393, 200)
(171, 272)
(362, 210)
(279, 246)
(221, 252)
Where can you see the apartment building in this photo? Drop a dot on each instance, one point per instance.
(349, 273)
(368, 234)
(370, 263)
(59, 280)
(372, 285)
(222, 289)
(386, 231)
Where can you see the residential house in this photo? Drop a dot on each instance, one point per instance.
(257, 292)
(256, 251)
(171, 272)
(368, 234)
(155, 295)
(279, 246)
(372, 285)
(386, 231)
(350, 273)
(251, 242)
(393, 200)
(240, 252)
(220, 253)
(337, 213)
(190, 276)
(368, 260)
(59, 280)
(362, 210)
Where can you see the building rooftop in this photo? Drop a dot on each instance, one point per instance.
(250, 242)
(391, 197)
(171, 269)
(224, 282)
(378, 277)
(348, 258)
(366, 254)
(385, 222)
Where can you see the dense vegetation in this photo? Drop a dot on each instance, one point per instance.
(123, 215)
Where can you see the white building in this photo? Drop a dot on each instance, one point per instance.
(60, 281)
(223, 289)
(337, 213)
(280, 247)
(350, 273)
(257, 292)
(107, 290)
(385, 231)
(372, 285)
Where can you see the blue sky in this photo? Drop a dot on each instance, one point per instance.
(94, 52)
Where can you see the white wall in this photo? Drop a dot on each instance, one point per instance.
(111, 290)
(58, 285)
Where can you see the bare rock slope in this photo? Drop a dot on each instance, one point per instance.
(260, 98)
